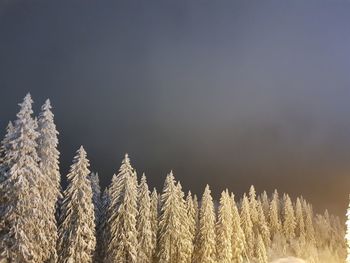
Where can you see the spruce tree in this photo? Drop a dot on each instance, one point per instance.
(101, 228)
(49, 165)
(168, 221)
(224, 230)
(265, 204)
(77, 229)
(5, 146)
(263, 228)
(205, 244)
(122, 216)
(144, 226)
(299, 218)
(196, 208)
(185, 235)
(274, 218)
(309, 227)
(247, 225)
(22, 237)
(191, 214)
(154, 221)
(96, 196)
(260, 250)
(173, 241)
(347, 234)
(252, 205)
(289, 223)
(238, 243)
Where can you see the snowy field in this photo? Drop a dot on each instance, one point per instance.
(289, 260)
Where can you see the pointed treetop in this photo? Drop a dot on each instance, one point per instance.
(26, 106)
(27, 97)
(46, 106)
(81, 151)
(143, 179)
(126, 159)
(26, 100)
(154, 191)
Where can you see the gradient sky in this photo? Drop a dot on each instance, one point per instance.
(229, 92)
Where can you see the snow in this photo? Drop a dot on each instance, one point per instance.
(289, 260)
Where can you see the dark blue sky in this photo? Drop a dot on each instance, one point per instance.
(228, 92)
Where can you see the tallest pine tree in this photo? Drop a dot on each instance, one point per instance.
(22, 208)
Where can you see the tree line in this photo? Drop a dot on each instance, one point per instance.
(128, 223)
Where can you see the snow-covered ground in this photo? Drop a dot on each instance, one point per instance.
(288, 260)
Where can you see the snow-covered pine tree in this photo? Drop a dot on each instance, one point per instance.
(347, 234)
(144, 226)
(174, 244)
(169, 222)
(4, 148)
(77, 229)
(49, 165)
(252, 205)
(299, 218)
(263, 227)
(122, 215)
(224, 229)
(274, 218)
(96, 196)
(205, 249)
(191, 213)
(247, 226)
(260, 250)
(22, 237)
(196, 208)
(265, 204)
(101, 228)
(97, 202)
(238, 243)
(185, 236)
(154, 221)
(309, 226)
(289, 223)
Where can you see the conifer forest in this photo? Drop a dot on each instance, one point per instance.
(129, 222)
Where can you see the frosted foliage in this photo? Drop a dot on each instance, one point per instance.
(49, 165)
(205, 243)
(22, 238)
(77, 229)
(144, 226)
(238, 243)
(247, 225)
(174, 241)
(347, 236)
(224, 229)
(260, 249)
(191, 217)
(5, 147)
(131, 224)
(154, 220)
(122, 216)
(274, 219)
(289, 223)
(96, 196)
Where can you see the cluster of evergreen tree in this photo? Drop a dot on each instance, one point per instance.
(128, 223)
